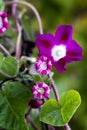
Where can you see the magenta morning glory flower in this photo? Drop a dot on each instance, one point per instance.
(61, 49)
(43, 65)
(3, 22)
(41, 90)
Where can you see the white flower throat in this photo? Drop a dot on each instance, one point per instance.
(43, 66)
(58, 52)
(41, 90)
(1, 22)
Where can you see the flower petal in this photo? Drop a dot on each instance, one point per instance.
(45, 42)
(60, 65)
(74, 52)
(63, 34)
(33, 70)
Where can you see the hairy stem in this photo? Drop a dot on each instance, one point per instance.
(33, 9)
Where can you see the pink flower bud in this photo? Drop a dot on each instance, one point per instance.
(34, 103)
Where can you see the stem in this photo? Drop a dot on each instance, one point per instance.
(19, 30)
(4, 50)
(54, 88)
(28, 111)
(67, 127)
(8, 79)
(31, 122)
(44, 126)
(14, 13)
(18, 44)
(51, 127)
(31, 59)
(33, 9)
(29, 119)
(6, 75)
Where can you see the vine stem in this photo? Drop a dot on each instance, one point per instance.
(6, 75)
(14, 13)
(54, 88)
(31, 122)
(18, 44)
(57, 96)
(19, 30)
(33, 9)
(4, 50)
(67, 127)
(51, 127)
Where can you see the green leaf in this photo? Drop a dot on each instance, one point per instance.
(2, 5)
(69, 102)
(60, 113)
(14, 100)
(9, 66)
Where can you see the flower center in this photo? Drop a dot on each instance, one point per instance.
(43, 66)
(58, 52)
(41, 90)
(1, 22)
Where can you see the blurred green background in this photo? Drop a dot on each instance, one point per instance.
(72, 12)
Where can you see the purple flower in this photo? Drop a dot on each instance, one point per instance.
(41, 90)
(3, 22)
(43, 65)
(60, 49)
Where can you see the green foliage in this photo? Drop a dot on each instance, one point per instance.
(14, 99)
(8, 65)
(59, 113)
(60, 12)
(1, 5)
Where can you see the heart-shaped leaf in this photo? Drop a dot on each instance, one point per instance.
(9, 66)
(14, 100)
(59, 113)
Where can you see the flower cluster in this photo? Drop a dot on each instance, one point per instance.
(61, 49)
(58, 51)
(54, 50)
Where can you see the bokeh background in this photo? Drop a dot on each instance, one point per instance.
(71, 12)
